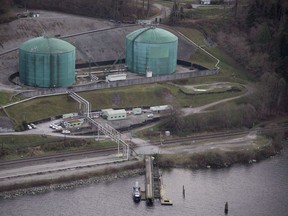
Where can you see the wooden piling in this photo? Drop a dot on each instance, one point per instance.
(183, 191)
(226, 208)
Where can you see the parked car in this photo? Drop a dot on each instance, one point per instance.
(150, 115)
(66, 132)
(33, 126)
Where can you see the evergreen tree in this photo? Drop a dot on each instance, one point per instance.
(251, 16)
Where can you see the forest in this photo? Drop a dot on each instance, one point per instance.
(109, 9)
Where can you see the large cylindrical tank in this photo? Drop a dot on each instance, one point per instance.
(47, 62)
(151, 48)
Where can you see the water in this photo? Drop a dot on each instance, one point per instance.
(260, 190)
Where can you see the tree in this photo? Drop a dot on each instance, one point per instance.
(251, 16)
(5, 6)
(174, 15)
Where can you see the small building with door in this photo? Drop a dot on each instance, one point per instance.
(73, 122)
(111, 114)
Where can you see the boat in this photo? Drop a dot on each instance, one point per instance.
(136, 192)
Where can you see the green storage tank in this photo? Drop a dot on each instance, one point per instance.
(47, 62)
(152, 48)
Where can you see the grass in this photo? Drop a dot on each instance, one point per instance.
(42, 108)
(230, 70)
(207, 12)
(18, 146)
(130, 96)
(122, 97)
(5, 97)
(206, 89)
(201, 58)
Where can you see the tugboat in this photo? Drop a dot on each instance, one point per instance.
(136, 193)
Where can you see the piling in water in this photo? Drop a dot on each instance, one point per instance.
(226, 208)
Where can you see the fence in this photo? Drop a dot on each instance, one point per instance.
(114, 84)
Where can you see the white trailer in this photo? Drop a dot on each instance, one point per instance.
(116, 77)
(160, 108)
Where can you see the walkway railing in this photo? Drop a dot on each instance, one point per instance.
(105, 129)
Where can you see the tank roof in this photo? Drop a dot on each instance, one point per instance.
(152, 35)
(47, 45)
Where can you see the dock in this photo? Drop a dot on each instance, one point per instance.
(154, 188)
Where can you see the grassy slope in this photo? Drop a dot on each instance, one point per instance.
(5, 97)
(42, 108)
(230, 70)
(133, 96)
(17, 146)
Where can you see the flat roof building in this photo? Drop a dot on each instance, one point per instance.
(111, 114)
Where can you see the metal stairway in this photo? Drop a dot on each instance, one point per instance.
(85, 109)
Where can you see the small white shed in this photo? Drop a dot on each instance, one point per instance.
(205, 2)
(111, 114)
(137, 111)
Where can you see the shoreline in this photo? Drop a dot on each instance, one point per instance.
(204, 160)
(35, 190)
(217, 159)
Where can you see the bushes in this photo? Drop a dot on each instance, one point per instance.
(217, 158)
(226, 117)
(58, 146)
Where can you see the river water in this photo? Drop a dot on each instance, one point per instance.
(260, 189)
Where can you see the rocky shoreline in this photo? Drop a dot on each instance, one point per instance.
(207, 159)
(70, 185)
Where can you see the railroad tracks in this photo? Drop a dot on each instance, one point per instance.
(219, 135)
(60, 157)
(200, 137)
(107, 151)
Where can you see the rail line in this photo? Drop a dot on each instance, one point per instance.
(104, 151)
(218, 135)
(199, 137)
(59, 156)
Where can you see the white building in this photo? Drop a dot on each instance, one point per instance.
(137, 111)
(73, 122)
(111, 114)
(160, 108)
(205, 2)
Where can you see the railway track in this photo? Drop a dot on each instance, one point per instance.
(218, 135)
(200, 137)
(59, 157)
(105, 151)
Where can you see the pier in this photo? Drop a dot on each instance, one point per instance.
(154, 188)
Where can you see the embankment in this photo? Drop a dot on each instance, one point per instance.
(208, 159)
(218, 158)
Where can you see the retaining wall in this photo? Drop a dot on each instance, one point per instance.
(128, 82)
